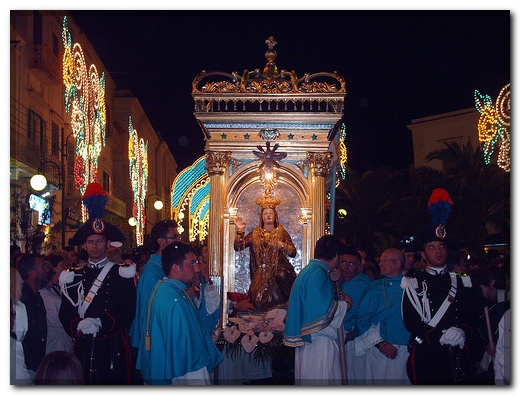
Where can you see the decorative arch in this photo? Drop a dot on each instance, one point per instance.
(248, 174)
(241, 192)
(191, 201)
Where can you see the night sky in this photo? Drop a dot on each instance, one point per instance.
(398, 65)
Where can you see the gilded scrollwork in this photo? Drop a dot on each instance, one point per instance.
(269, 81)
(217, 161)
(320, 163)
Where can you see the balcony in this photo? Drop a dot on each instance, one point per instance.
(45, 63)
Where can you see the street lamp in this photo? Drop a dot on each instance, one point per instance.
(38, 182)
(155, 201)
(158, 203)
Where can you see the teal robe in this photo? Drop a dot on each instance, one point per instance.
(312, 304)
(382, 303)
(151, 273)
(354, 288)
(179, 342)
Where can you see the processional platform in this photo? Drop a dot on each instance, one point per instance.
(247, 120)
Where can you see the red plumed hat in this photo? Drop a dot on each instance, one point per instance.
(95, 200)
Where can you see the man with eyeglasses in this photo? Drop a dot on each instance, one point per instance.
(383, 337)
(177, 349)
(163, 234)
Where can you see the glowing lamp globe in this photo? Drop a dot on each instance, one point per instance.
(158, 205)
(132, 222)
(342, 213)
(38, 182)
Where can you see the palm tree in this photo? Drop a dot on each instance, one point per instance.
(480, 192)
(376, 203)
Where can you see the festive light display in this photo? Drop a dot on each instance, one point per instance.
(191, 195)
(494, 126)
(85, 103)
(138, 171)
(342, 152)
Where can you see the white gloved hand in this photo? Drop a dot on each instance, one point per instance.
(453, 336)
(89, 326)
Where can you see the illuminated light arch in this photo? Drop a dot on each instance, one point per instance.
(198, 209)
(342, 152)
(204, 214)
(84, 92)
(191, 200)
(138, 171)
(494, 126)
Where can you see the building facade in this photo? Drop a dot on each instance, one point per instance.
(45, 137)
(430, 133)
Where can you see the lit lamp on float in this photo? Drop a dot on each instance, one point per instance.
(269, 161)
(305, 216)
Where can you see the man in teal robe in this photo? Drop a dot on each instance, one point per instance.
(177, 348)
(314, 316)
(163, 233)
(383, 337)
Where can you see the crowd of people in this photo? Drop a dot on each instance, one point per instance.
(410, 316)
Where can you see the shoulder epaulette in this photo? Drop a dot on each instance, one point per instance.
(466, 280)
(409, 282)
(127, 270)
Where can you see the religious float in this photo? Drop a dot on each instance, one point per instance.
(269, 134)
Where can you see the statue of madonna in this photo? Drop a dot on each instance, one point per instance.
(271, 273)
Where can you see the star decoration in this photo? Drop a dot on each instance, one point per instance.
(223, 136)
(314, 137)
(268, 157)
(290, 136)
(247, 136)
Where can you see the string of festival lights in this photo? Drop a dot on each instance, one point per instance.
(494, 126)
(85, 103)
(138, 172)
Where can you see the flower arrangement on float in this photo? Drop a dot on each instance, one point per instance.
(259, 333)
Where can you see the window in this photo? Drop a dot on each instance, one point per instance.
(55, 143)
(36, 128)
(37, 28)
(106, 183)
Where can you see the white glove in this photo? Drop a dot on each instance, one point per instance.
(453, 336)
(89, 326)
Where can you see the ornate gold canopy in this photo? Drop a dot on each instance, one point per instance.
(239, 114)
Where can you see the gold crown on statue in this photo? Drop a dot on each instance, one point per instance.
(268, 202)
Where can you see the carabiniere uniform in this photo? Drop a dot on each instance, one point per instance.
(105, 358)
(436, 300)
(102, 291)
(431, 363)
